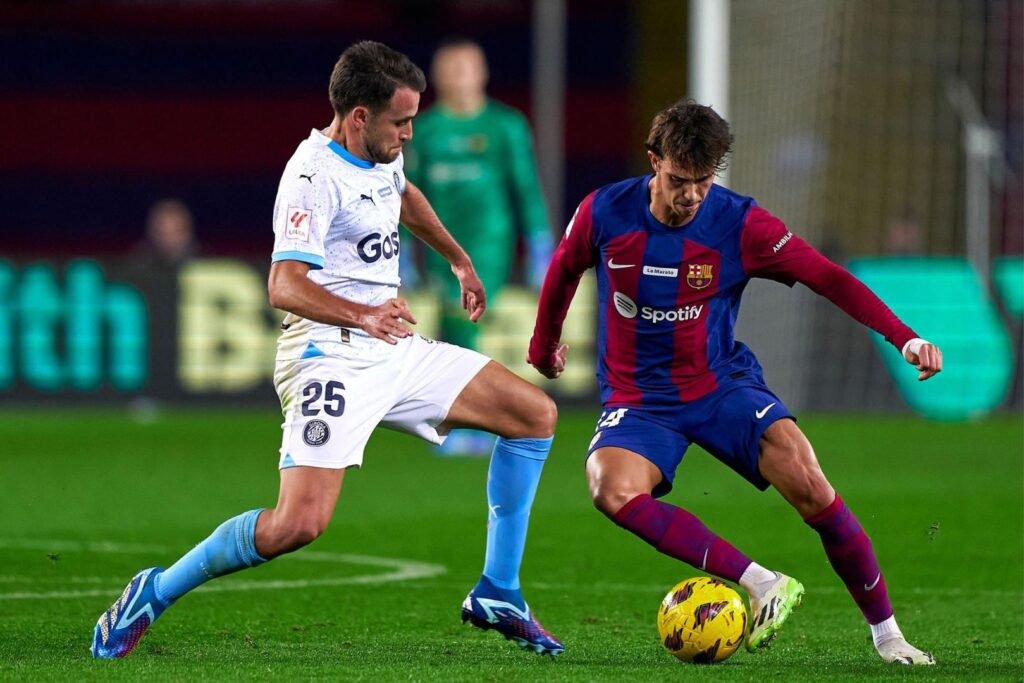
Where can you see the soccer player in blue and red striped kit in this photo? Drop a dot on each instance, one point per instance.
(673, 252)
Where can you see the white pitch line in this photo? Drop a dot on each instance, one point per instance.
(81, 546)
(400, 570)
(21, 578)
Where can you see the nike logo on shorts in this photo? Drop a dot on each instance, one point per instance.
(764, 411)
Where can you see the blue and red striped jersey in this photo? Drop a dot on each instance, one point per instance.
(668, 297)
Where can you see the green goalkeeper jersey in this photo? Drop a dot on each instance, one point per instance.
(478, 173)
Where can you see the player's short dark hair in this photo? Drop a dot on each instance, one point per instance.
(691, 135)
(368, 74)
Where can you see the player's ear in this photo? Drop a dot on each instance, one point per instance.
(359, 115)
(654, 160)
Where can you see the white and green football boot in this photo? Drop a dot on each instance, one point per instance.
(769, 612)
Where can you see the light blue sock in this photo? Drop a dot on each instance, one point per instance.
(512, 479)
(231, 546)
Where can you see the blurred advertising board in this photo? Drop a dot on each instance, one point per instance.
(112, 330)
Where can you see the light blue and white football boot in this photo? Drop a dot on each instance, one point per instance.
(489, 607)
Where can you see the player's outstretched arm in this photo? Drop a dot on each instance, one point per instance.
(419, 217)
(546, 354)
(771, 251)
(290, 290)
(575, 253)
(924, 356)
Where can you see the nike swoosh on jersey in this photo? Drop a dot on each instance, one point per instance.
(615, 266)
(764, 411)
(872, 586)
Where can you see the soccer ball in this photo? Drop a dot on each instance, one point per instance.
(702, 621)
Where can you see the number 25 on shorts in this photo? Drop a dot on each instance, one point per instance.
(333, 403)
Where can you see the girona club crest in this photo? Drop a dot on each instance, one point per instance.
(698, 276)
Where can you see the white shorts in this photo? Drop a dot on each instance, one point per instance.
(331, 404)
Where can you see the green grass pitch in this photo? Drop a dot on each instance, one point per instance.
(92, 496)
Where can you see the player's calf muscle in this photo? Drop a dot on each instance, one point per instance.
(277, 534)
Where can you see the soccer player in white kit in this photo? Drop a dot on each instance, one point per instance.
(348, 361)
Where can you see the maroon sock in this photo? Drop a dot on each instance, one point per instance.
(679, 534)
(850, 552)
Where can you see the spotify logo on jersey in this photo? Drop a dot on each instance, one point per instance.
(627, 308)
(624, 305)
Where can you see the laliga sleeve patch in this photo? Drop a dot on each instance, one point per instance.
(316, 433)
(298, 224)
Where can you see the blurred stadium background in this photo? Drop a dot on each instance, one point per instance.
(887, 132)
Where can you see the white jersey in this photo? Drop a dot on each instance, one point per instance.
(338, 213)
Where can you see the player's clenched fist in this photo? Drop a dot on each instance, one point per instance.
(925, 356)
(554, 366)
(387, 321)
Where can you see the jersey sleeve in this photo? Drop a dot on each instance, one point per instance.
(770, 250)
(306, 204)
(575, 254)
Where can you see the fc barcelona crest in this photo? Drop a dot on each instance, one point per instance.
(698, 276)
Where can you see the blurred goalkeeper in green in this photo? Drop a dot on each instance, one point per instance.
(473, 158)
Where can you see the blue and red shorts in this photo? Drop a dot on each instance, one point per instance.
(727, 423)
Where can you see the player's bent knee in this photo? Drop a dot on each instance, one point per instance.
(546, 417)
(818, 492)
(819, 495)
(537, 419)
(610, 500)
(807, 488)
(808, 496)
